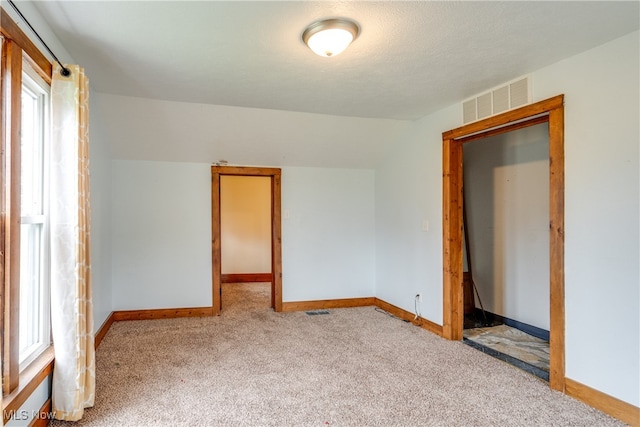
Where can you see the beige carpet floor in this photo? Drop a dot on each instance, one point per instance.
(352, 367)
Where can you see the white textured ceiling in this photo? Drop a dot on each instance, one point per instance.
(410, 59)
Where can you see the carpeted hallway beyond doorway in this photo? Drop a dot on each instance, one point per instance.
(352, 367)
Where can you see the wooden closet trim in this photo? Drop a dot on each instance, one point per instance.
(552, 111)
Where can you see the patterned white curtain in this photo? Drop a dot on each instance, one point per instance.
(72, 310)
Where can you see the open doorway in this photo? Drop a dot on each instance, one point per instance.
(272, 261)
(245, 225)
(506, 232)
(550, 111)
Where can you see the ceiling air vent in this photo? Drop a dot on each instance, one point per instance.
(503, 98)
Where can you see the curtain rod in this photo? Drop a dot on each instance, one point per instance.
(64, 71)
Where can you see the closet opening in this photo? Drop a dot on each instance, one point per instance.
(549, 111)
(506, 247)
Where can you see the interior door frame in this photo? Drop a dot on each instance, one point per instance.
(548, 111)
(276, 230)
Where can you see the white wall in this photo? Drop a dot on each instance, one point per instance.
(100, 181)
(506, 181)
(161, 244)
(162, 234)
(602, 272)
(149, 129)
(602, 268)
(328, 240)
(409, 191)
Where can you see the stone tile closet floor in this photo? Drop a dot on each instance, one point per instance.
(512, 346)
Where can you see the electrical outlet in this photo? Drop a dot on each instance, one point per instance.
(419, 297)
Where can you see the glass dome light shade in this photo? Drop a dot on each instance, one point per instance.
(330, 37)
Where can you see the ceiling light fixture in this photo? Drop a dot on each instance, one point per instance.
(331, 36)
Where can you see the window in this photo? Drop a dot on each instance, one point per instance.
(35, 332)
(27, 354)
